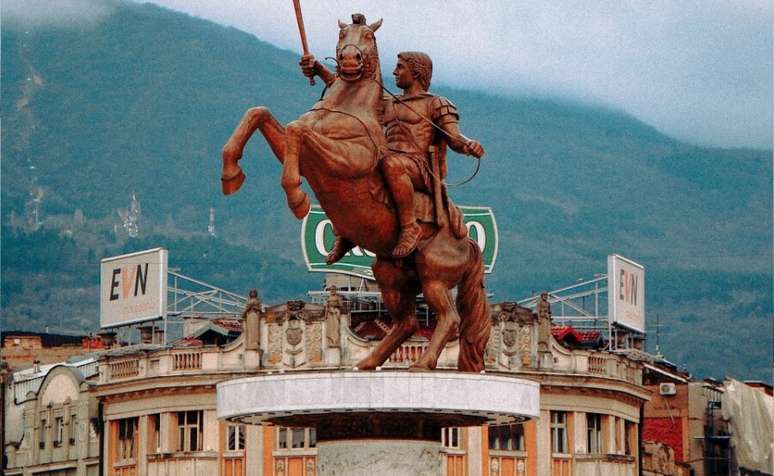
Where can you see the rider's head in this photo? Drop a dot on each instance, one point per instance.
(420, 65)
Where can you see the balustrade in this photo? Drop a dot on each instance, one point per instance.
(191, 360)
(125, 369)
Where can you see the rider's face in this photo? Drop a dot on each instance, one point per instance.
(403, 76)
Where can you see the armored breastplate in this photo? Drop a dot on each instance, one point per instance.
(407, 131)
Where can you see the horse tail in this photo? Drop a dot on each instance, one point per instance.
(473, 308)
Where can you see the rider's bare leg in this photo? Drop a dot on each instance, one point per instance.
(402, 190)
(439, 299)
(256, 118)
(399, 295)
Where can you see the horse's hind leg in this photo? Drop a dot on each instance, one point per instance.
(256, 118)
(399, 294)
(439, 299)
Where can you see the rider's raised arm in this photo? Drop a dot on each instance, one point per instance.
(445, 116)
(310, 67)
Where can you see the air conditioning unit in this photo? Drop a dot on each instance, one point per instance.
(667, 389)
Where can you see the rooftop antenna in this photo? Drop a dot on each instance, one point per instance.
(211, 226)
(658, 336)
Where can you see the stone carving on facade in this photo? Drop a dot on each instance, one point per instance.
(494, 466)
(510, 337)
(252, 322)
(525, 345)
(314, 348)
(275, 343)
(294, 335)
(333, 306)
(545, 358)
(492, 351)
(511, 342)
(279, 468)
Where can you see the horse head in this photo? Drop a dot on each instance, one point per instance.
(356, 53)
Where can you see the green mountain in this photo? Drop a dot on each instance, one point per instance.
(144, 100)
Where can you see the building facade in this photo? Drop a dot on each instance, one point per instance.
(52, 423)
(159, 402)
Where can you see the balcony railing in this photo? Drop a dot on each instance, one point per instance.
(408, 353)
(124, 369)
(190, 360)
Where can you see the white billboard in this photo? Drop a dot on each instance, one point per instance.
(626, 293)
(133, 288)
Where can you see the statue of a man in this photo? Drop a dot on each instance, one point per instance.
(414, 122)
(333, 306)
(251, 316)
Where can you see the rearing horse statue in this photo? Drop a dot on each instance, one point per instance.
(336, 146)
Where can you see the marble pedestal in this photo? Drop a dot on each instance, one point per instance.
(382, 422)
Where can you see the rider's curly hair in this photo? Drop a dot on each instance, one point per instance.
(420, 65)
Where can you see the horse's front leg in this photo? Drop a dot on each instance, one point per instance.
(256, 118)
(298, 200)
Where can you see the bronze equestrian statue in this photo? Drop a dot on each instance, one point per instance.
(357, 151)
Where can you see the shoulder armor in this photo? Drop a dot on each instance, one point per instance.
(444, 110)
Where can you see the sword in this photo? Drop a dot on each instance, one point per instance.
(302, 32)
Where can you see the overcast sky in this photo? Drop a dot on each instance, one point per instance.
(699, 70)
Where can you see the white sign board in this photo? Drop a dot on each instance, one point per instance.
(626, 293)
(133, 288)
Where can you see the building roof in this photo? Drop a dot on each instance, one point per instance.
(30, 380)
(568, 335)
(46, 339)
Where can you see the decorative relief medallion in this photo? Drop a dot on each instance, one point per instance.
(294, 333)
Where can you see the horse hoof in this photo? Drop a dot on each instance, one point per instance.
(362, 365)
(302, 208)
(232, 184)
(419, 368)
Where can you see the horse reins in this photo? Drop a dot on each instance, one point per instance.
(402, 125)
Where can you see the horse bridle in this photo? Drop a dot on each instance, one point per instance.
(368, 70)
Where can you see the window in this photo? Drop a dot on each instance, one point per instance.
(126, 432)
(450, 438)
(42, 432)
(235, 437)
(154, 433)
(73, 428)
(190, 430)
(559, 432)
(296, 438)
(507, 437)
(59, 435)
(594, 432)
(630, 435)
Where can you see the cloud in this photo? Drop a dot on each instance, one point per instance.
(58, 13)
(699, 70)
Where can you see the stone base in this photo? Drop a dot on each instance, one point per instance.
(376, 457)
